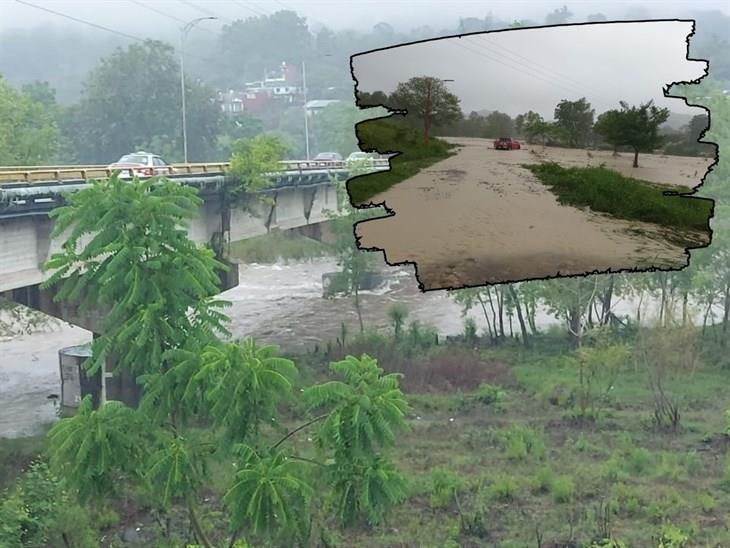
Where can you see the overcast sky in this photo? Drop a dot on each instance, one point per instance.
(533, 69)
(129, 15)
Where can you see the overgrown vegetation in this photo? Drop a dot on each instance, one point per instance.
(388, 136)
(610, 192)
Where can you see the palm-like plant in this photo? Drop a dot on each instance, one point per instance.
(368, 407)
(244, 383)
(269, 495)
(93, 447)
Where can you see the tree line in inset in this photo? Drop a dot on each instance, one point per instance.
(636, 128)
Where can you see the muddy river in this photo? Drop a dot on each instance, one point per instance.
(280, 303)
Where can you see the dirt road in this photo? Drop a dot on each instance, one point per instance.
(479, 217)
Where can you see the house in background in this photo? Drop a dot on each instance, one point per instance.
(280, 87)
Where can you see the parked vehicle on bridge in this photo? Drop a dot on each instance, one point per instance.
(360, 157)
(141, 164)
(506, 143)
(328, 157)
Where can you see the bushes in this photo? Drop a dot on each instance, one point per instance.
(521, 442)
(503, 489)
(38, 512)
(387, 136)
(444, 487)
(610, 192)
(562, 489)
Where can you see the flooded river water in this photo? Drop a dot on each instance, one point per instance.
(280, 303)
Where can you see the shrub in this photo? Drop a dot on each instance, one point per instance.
(444, 485)
(626, 499)
(522, 441)
(639, 460)
(671, 536)
(503, 489)
(562, 489)
(608, 543)
(726, 474)
(543, 480)
(707, 503)
(470, 331)
(38, 513)
(487, 395)
(613, 469)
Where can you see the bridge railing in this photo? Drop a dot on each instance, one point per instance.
(31, 174)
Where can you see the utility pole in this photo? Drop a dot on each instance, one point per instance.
(427, 117)
(306, 114)
(183, 34)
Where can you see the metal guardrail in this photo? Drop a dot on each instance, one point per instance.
(35, 174)
(20, 199)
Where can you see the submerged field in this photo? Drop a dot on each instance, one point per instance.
(479, 217)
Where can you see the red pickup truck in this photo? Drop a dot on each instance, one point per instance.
(506, 143)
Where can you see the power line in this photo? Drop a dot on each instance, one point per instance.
(251, 8)
(203, 10)
(125, 35)
(150, 8)
(551, 82)
(537, 66)
(106, 29)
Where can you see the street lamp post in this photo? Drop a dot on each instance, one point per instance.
(427, 121)
(183, 34)
(306, 114)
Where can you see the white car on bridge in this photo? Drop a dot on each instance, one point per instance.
(141, 164)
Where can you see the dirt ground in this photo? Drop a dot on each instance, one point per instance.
(479, 217)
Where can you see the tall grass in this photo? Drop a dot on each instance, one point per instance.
(610, 192)
(388, 136)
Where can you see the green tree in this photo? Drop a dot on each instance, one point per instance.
(397, 315)
(427, 100)
(575, 120)
(558, 16)
(124, 107)
(131, 281)
(498, 124)
(333, 129)
(355, 264)
(635, 127)
(234, 128)
(537, 127)
(254, 160)
(268, 40)
(29, 133)
(164, 325)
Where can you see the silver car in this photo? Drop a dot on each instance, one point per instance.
(328, 157)
(141, 164)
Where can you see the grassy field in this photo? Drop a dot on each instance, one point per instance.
(608, 191)
(496, 456)
(386, 137)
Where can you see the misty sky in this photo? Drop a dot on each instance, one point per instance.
(127, 15)
(533, 69)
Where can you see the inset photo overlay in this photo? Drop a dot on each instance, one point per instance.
(535, 153)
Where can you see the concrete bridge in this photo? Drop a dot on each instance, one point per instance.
(300, 197)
